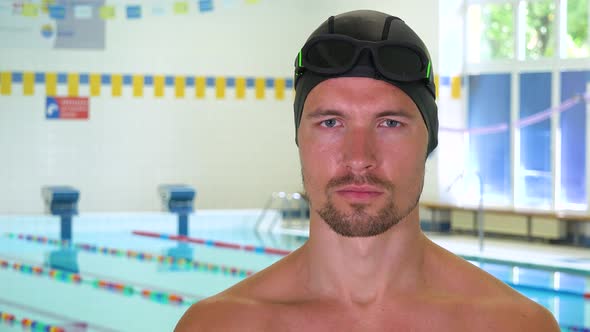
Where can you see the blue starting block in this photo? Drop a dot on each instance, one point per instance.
(178, 199)
(62, 201)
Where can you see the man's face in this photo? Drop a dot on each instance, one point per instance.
(362, 145)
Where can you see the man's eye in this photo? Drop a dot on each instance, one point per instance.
(391, 123)
(330, 123)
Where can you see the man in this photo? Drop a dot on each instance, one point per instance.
(366, 120)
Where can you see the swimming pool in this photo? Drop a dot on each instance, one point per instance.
(131, 282)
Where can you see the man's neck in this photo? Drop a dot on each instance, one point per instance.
(364, 271)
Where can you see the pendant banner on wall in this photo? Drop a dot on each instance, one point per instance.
(67, 108)
(103, 9)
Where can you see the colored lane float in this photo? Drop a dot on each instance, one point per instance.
(129, 290)
(218, 244)
(179, 263)
(29, 324)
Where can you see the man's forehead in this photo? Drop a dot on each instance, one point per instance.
(358, 93)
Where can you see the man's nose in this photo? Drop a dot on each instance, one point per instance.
(359, 150)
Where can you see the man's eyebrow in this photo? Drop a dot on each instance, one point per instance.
(319, 113)
(323, 113)
(399, 113)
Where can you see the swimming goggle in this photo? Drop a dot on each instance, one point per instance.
(335, 54)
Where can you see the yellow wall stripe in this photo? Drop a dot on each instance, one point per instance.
(50, 84)
(179, 86)
(137, 85)
(95, 85)
(436, 84)
(28, 84)
(117, 85)
(200, 85)
(5, 83)
(240, 88)
(73, 84)
(280, 88)
(220, 84)
(259, 86)
(159, 86)
(456, 87)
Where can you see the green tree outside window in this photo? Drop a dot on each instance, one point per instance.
(540, 29)
(577, 42)
(498, 32)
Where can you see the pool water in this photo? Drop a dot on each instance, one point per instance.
(128, 282)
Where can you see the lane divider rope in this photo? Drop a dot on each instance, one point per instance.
(175, 262)
(218, 244)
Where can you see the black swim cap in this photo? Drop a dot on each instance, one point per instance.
(374, 26)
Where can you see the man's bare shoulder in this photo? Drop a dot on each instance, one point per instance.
(223, 312)
(246, 306)
(489, 303)
(512, 314)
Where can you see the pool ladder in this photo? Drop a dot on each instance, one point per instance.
(291, 208)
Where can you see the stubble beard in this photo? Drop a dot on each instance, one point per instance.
(360, 223)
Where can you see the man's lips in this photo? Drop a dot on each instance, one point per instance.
(359, 192)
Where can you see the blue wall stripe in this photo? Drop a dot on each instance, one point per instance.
(84, 78)
(250, 82)
(105, 79)
(230, 82)
(445, 80)
(211, 81)
(62, 78)
(17, 77)
(169, 80)
(148, 80)
(270, 83)
(127, 80)
(39, 77)
(289, 83)
(190, 81)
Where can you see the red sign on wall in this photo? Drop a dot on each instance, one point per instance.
(68, 108)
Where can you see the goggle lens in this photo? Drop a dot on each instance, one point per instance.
(400, 60)
(331, 54)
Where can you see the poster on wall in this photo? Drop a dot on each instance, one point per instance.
(67, 108)
(57, 24)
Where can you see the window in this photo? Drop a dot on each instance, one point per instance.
(533, 177)
(489, 106)
(572, 192)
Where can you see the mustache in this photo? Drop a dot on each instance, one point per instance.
(352, 179)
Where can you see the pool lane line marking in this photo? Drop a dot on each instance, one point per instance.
(28, 323)
(237, 246)
(586, 296)
(68, 321)
(141, 256)
(218, 244)
(210, 266)
(117, 287)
